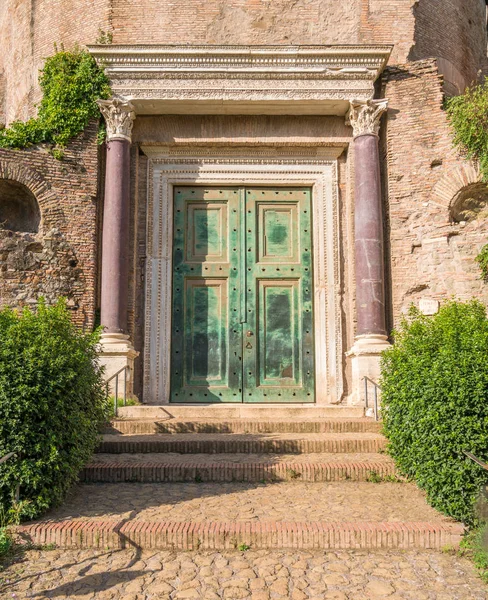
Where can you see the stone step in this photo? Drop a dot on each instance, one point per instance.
(149, 426)
(187, 516)
(203, 443)
(189, 412)
(164, 468)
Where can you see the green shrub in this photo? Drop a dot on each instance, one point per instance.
(71, 83)
(52, 401)
(435, 403)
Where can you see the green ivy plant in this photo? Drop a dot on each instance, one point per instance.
(468, 116)
(435, 404)
(71, 83)
(482, 260)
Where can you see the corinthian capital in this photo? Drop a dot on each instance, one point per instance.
(119, 116)
(364, 116)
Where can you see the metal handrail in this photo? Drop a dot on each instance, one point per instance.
(115, 376)
(376, 388)
(4, 459)
(476, 460)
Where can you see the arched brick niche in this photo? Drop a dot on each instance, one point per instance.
(469, 203)
(463, 193)
(23, 193)
(19, 210)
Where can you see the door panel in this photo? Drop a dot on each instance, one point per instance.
(206, 329)
(279, 334)
(278, 345)
(242, 295)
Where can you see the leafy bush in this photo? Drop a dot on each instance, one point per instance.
(52, 400)
(71, 83)
(435, 403)
(468, 116)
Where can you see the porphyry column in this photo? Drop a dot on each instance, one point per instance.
(371, 336)
(117, 350)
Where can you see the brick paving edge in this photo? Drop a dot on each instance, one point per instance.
(168, 535)
(147, 472)
(243, 426)
(199, 446)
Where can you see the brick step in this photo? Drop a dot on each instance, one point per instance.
(208, 535)
(195, 443)
(156, 468)
(150, 426)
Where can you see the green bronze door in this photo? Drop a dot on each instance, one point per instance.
(242, 327)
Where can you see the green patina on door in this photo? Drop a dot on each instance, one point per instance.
(242, 295)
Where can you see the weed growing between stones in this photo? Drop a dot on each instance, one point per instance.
(9, 517)
(475, 546)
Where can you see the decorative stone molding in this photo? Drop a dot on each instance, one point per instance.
(364, 116)
(242, 79)
(119, 116)
(252, 167)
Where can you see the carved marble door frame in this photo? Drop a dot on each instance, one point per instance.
(310, 167)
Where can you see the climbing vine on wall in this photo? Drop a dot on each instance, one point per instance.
(468, 116)
(482, 260)
(71, 83)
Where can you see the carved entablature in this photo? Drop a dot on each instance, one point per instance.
(365, 115)
(119, 116)
(242, 79)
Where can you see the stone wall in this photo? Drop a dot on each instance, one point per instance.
(431, 255)
(59, 259)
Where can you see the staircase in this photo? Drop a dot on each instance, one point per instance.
(174, 482)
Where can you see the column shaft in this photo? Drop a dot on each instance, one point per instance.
(115, 240)
(370, 270)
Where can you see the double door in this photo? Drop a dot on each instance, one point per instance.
(242, 318)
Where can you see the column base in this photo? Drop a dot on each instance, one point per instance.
(365, 360)
(116, 353)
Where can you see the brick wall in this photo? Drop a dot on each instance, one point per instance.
(29, 29)
(59, 260)
(453, 30)
(430, 256)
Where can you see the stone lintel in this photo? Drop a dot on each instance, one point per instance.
(321, 80)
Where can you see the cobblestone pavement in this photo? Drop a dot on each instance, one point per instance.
(257, 575)
(290, 501)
